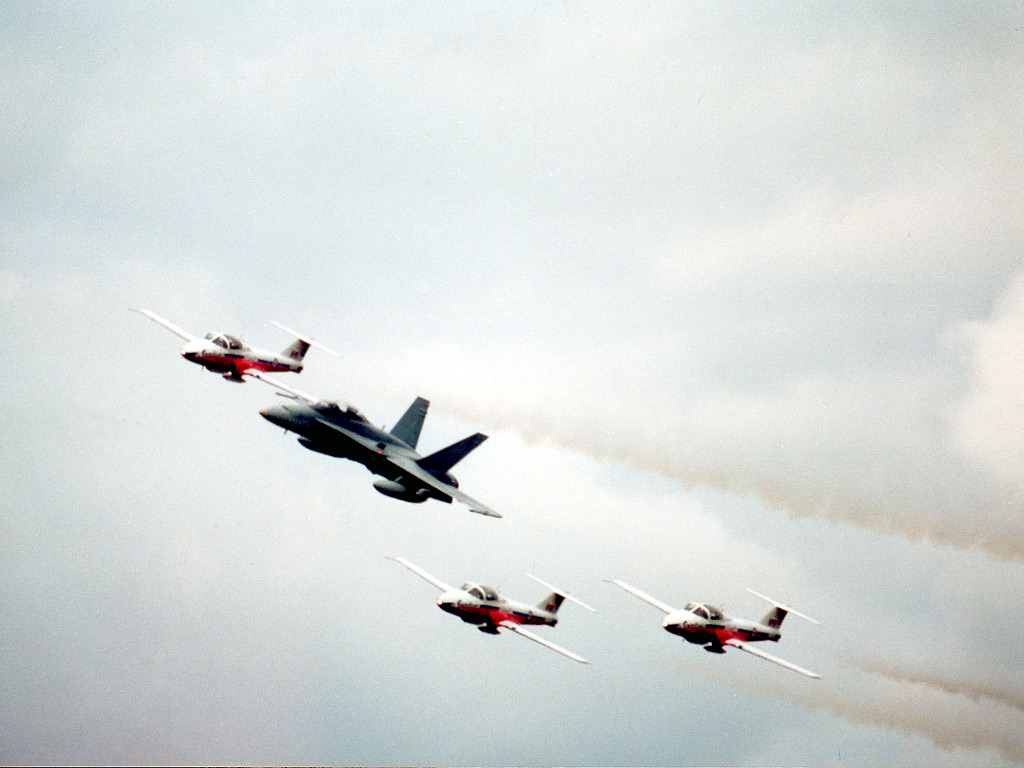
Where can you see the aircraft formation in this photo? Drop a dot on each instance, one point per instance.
(337, 429)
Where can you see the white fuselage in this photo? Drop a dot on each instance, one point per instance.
(476, 604)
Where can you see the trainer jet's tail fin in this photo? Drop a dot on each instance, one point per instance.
(296, 350)
(448, 457)
(408, 427)
(774, 617)
(552, 602)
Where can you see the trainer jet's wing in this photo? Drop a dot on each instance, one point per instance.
(298, 394)
(286, 388)
(422, 574)
(665, 607)
(414, 470)
(511, 625)
(768, 657)
(167, 324)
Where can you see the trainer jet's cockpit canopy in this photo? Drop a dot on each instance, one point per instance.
(708, 612)
(226, 341)
(480, 592)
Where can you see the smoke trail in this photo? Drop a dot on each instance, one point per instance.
(957, 681)
(876, 486)
(948, 722)
(893, 451)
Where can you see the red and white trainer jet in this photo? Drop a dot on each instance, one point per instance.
(228, 356)
(480, 605)
(710, 627)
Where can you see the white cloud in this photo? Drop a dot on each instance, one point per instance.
(989, 421)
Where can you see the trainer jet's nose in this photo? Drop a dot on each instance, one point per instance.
(448, 602)
(192, 352)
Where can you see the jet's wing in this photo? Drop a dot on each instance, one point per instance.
(422, 476)
(470, 503)
(768, 657)
(290, 390)
(166, 324)
(665, 607)
(422, 574)
(538, 639)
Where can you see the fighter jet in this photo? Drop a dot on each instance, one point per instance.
(226, 354)
(480, 605)
(338, 429)
(708, 626)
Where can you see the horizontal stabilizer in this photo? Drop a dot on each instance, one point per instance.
(555, 590)
(305, 340)
(448, 457)
(784, 609)
(408, 427)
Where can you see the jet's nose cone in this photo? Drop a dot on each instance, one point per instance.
(679, 621)
(275, 414)
(192, 352)
(446, 603)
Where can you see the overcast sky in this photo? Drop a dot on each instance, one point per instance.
(736, 290)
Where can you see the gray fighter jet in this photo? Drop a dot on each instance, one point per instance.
(338, 429)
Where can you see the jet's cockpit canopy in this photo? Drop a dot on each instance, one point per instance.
(480, 592)
(705, 611)
(330, 408)
(226, 341)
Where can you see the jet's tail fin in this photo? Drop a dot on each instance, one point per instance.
(296, 350)
(774, 617)
(552, 602)
(408, 427)
(446, 458)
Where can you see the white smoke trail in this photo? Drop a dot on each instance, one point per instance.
(910, 487)
(950, 722)
(953, 679)
(877, 451)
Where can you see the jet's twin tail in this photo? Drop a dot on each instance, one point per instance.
(446, 458)
(408, 431)
(409, 426)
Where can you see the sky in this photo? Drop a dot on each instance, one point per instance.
(735, 289)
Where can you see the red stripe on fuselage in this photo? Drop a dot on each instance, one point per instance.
(241, 365)
(720, 634)
(497, 615)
